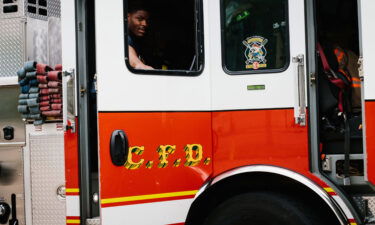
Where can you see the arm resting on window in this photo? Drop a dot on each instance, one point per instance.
(135, 62)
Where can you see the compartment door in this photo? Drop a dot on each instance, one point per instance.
(367, 70)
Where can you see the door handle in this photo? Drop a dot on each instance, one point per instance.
(69, 98)
(300, 108)
(119, 147)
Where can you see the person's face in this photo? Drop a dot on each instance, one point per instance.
(138, 22)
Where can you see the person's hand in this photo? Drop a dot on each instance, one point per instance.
(135, 62)
(142, 66)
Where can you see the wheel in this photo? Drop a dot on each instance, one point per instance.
(264, 208)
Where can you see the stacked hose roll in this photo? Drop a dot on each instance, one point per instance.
(51, 94)
(41, 93)
(28, 103)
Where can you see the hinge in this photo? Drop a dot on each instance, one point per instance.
(80, 26)
(82, 91)
(360, 68)
(312, 78)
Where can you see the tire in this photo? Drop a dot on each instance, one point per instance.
(264, 208)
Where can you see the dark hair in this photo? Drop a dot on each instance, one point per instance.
(136, 5)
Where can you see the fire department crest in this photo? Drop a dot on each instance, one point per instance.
(255, 52)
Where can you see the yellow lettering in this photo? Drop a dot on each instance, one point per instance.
(177, 163)
(149, 164)
(164, 151)
(130, 164)
(194, 154)
(207, 161)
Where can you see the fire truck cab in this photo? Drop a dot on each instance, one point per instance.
(240, 121)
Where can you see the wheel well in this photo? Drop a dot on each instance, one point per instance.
(248, 182)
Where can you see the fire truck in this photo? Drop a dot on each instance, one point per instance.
(230, 127)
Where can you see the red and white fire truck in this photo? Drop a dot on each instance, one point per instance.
(231, 127)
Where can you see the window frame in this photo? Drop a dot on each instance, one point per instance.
(251, 72)
(199, 46)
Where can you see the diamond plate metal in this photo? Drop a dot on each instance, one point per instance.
(19, 13)
(12, 46)
(361, 203)
(53, 9)
(47, 175)
(37, 40)
(54, 41)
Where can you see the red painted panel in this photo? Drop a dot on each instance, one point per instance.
(259, 137)
(71, 159)
(152, 130)
(370, 140)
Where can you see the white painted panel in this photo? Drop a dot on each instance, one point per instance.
(230, 91)
(68, 27)
(72, 206)
(147, 214)
(120, 90)
(368, 46)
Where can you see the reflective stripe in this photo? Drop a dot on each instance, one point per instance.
(356, 85)
(72, 190)
(148, 197)
(329, 190)
(73, 221)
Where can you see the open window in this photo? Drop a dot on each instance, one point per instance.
(171, 42)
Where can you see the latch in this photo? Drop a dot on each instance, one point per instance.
(68, 73)
(70, 126)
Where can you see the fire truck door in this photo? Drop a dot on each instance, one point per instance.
(259, 97)
(367, 69)
(154, 126)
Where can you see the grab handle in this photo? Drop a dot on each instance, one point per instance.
(300, 108)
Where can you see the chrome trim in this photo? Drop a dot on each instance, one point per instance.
(300, 109)
(287, 173)
(12, 144)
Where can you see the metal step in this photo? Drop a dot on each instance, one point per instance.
(366, 205)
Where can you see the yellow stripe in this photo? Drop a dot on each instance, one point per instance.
(353, 223)
(328, 189)
(148, 197)
(73, 221)
(72, 190)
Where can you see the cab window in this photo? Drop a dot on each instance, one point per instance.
(255, 36)
(164, 37)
